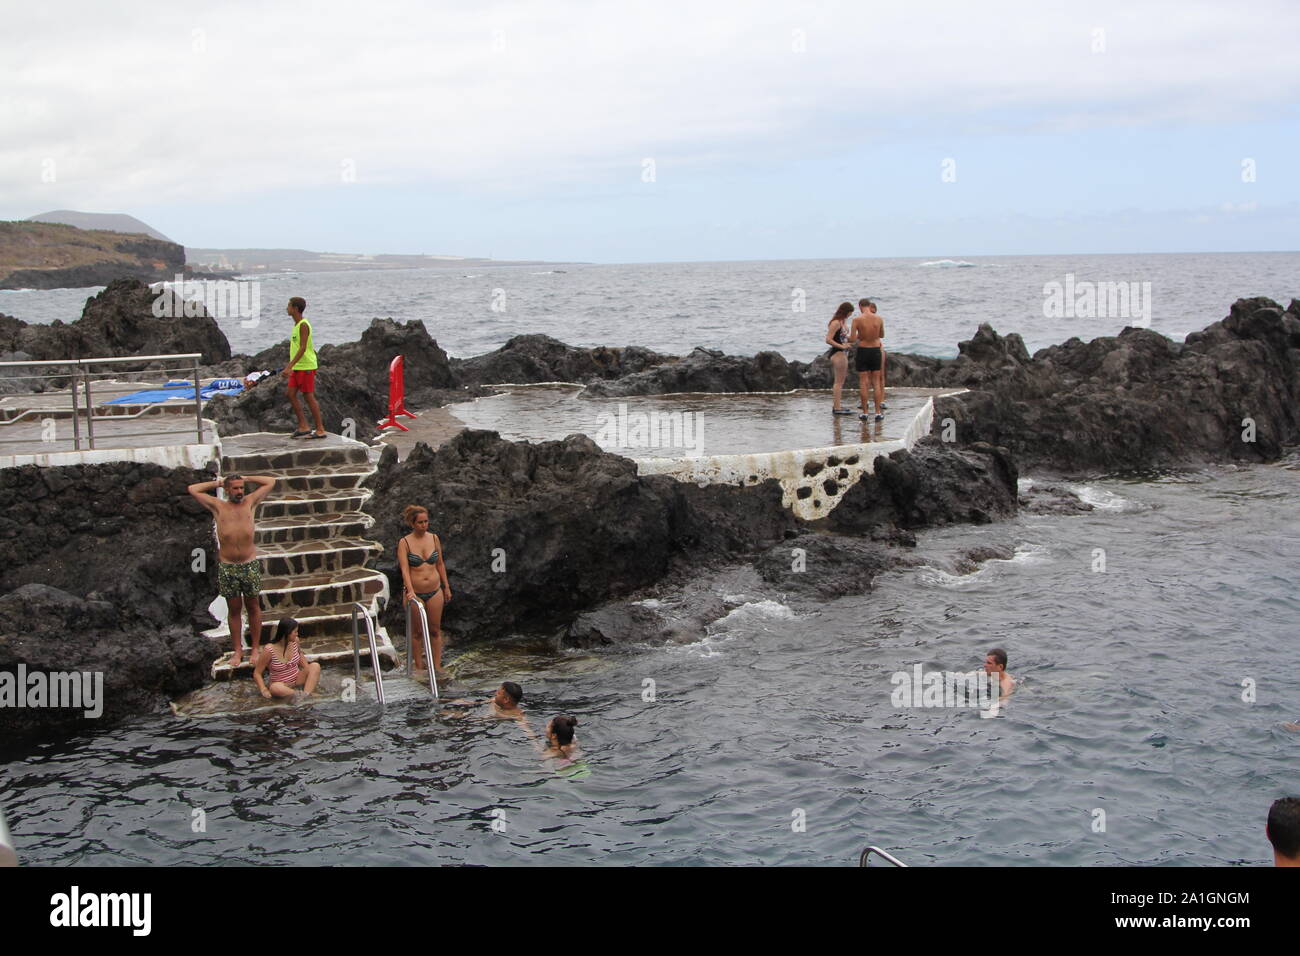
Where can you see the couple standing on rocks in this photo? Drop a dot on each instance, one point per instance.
(865, 336)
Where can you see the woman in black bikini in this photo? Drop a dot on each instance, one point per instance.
(419, 555)
(837, 337)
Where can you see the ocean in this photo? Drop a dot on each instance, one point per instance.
(1148, 727)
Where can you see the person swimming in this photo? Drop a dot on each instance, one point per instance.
(284, 659)
(561, 741)
(503, 705)
(995, 662)
(1283, 831)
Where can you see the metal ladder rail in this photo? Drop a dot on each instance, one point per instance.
(862, 860)
(428, 647)
(374, 650)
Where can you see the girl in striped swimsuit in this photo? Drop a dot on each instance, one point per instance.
(288, 669)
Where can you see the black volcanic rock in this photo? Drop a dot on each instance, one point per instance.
(707, 370)
(530, 359)
(142, 665)
(575, 526)
(1138, 400)
(122, 531)
(120, 321)
(930, 486)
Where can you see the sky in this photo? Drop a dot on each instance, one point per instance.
(662, 131)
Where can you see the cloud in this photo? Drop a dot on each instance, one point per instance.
(155, 103)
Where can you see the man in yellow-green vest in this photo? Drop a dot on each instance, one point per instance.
(302, 370)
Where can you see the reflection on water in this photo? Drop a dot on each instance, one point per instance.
(688, 426)
(1130, 701)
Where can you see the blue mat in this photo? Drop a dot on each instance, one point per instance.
(181, 390)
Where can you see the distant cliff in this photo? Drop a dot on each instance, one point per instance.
(40, 255)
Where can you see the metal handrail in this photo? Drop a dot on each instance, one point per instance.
(428, 648)
(374, 651)
(105, 361)
(862, 860)
(82, 377)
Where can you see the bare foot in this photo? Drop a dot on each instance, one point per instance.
(236, 658)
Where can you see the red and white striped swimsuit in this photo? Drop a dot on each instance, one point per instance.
(285, 672)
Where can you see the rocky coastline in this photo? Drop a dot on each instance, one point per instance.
(563, 541)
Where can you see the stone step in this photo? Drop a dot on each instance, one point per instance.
(292, 528)
(292, 595)
(316, 555)
(280, 504)
(324, 478)
(266, 453)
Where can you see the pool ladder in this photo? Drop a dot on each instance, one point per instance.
(862, 860)
(359, 608)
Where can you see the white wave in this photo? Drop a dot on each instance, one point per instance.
(18, 290)
(937, 577)
(949, 264)
(746, 613)
(1023, 485)
(1101, 499)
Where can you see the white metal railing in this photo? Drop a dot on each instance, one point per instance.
(428, 649)
(78, 371)
(862, 860)
(357, 606)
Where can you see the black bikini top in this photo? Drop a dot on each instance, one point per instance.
(414, 560)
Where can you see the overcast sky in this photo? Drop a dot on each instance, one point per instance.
(661, 131)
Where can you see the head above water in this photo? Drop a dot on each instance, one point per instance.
(561, 728)
(288, 627)
(509, 694)
(234, 485)
(296, 307)
(995, 662)
(416, 517)
(1284, 830)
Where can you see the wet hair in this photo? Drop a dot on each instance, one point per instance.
(563, 727)
(409, 513)
(863, 303)
(514, 690)
(299, 303)
(999, 656)
(286, 627)
(843, 312)
(1284, 826)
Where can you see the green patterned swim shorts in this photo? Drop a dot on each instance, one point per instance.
(239, 580)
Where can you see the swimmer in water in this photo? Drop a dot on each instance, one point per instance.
(503, 705)
(1283, 831)
(995, 662)
(561, 741)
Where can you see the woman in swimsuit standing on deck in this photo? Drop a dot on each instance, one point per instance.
(424, 574)
(837, 337)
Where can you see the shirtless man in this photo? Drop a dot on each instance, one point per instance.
(995, 662)
(883, 356)
(239, 576)
(504, 704)
(868, 330)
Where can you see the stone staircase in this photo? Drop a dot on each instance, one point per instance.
(311, 543)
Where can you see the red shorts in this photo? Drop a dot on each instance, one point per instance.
(303, 381)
